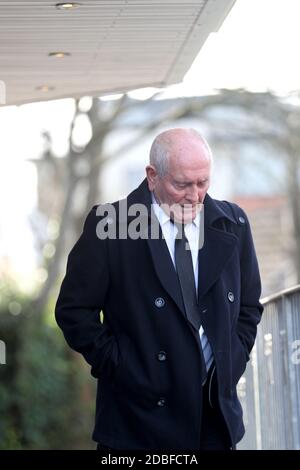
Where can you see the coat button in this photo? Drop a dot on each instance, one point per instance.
(161, 402)
(161, 356)
(242, 220)
(230, 296)
(159, 302)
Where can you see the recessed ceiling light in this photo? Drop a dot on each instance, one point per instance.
(45, 88)
(67, 6)
(59, 54)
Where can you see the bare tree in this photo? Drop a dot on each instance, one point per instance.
(92, 158)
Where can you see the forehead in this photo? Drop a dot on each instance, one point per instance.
(189, 159)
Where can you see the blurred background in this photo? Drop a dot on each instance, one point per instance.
(59, 157)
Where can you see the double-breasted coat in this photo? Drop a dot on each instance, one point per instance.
(143, 352)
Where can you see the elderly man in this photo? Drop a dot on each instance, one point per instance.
(179, 310)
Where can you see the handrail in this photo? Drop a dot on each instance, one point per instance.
(280, 294)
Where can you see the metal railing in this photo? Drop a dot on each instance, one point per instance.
(270, 388)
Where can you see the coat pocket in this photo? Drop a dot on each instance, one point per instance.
(123, 346)
(212, 388)
(238, 358)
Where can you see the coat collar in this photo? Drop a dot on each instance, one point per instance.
(141, 195)
(215, 210)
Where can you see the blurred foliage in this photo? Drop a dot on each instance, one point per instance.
(47, 396)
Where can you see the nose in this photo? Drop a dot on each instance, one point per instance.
(192, 194)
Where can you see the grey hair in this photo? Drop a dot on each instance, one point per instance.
(160, 149)
(159, 156)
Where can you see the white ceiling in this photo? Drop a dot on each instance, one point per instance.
(114, 45)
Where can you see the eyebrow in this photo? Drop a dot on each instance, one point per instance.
(190, 182)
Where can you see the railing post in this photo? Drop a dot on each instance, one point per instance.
(2, 352)
(293, 394)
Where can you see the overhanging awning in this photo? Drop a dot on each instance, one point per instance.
(110, 46)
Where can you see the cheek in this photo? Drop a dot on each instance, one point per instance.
(175, 196)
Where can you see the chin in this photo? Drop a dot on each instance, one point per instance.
(187, 219)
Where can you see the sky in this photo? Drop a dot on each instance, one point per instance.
(257, 48)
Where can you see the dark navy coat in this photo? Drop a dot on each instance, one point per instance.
(144, 353)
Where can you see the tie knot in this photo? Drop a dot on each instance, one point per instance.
(180, 230)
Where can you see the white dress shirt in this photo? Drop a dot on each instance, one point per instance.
(191, 230)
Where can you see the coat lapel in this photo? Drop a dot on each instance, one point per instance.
(159, 251)
(218, 246)
(164, 267)
(217, 249)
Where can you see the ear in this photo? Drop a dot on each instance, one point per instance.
(151, 177)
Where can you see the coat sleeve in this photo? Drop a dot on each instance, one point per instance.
(82, 297)
(250, 306)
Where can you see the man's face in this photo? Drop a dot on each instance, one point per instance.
(185, 185)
